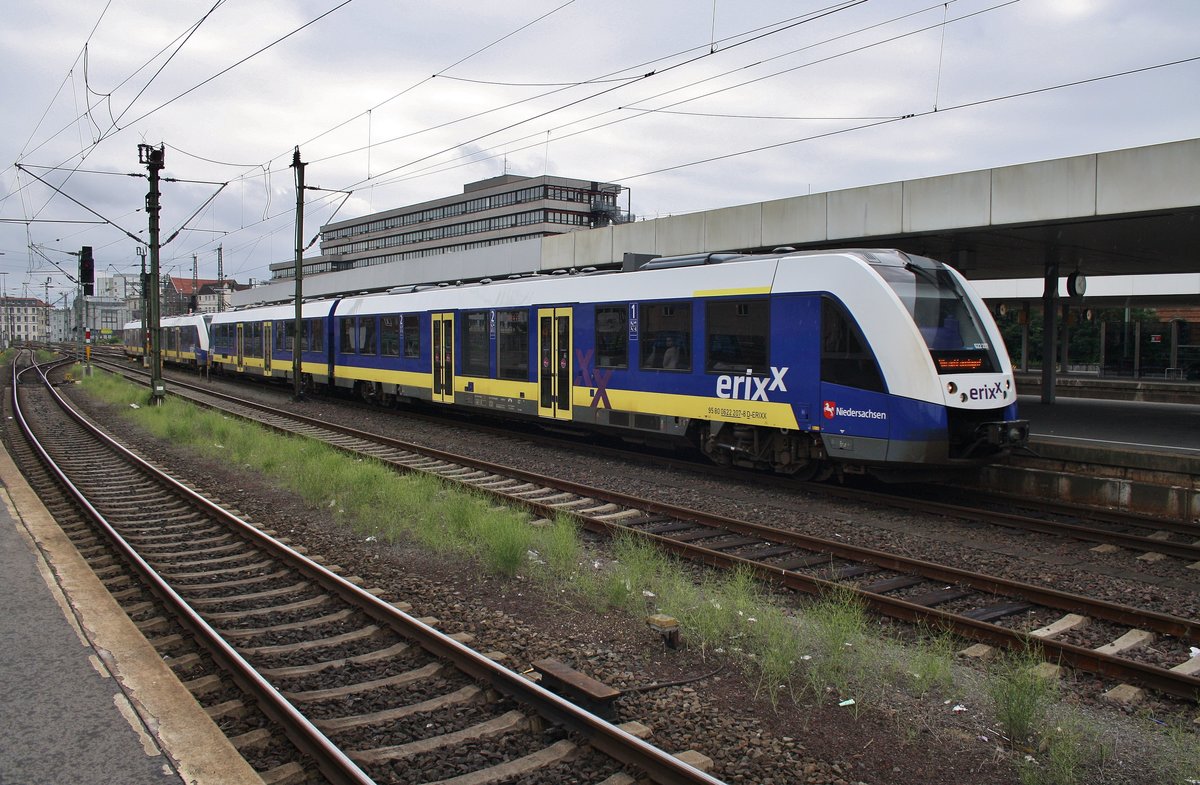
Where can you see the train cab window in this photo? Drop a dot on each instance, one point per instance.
(347, 335)
(474, 346)
(845, 357)
(367, 335)
(612, 337)
(948, 322)
(666, 336)
(512, 344)
(389, 335)
(736, 333)
(412, 335)
(190, 338)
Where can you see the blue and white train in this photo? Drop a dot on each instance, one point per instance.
(184, 340)
(799, 362)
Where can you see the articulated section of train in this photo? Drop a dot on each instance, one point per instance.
(802, 363)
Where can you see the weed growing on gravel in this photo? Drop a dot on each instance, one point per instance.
(1071, 752)
(1020, 696)
(928, 664)
(834, 631)
(777, 640)
(1178, 758)
(560, 548)
(507, 540)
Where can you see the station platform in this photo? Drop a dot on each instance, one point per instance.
(1119, 426)
(83, 696)
(1120, 422)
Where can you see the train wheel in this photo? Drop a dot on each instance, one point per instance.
(369, 392)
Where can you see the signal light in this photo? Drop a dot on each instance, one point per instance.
(87, 271)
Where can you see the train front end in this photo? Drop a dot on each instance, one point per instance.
(973, 371)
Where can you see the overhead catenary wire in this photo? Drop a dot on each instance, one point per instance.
(641, 111)
(929, 112)
(822, 13)
(635, 110)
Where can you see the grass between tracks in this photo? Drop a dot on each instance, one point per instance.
(831, 650)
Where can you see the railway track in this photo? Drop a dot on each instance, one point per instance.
(979, 607)
(365, 691)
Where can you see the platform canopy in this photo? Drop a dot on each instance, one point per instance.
(1125, 212)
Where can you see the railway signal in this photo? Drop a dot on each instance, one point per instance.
(87, 271)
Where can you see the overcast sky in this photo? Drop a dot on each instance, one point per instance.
(691, 105)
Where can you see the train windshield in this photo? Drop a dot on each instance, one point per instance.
(945, 317)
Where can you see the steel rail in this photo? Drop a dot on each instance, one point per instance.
(1135, 542)
(628, 749)
(333, 763)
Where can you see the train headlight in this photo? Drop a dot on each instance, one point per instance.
(951, 388)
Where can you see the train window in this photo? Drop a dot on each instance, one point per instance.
(412, 335)
(474, 346)
(366, 335)
(348, 336)
(318, 335)
(389, 335)
(512, 344)
(736, 333)
(256, 338)
(191, 338)
(612, 337)
(666, 336)
(945, 317)
(845, 357)
(287, 336)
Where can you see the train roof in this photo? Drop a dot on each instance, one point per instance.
(661, 278)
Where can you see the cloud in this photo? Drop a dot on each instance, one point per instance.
(354, 91)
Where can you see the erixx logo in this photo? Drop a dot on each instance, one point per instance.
(829, 409)
(987, 393)
(751, 388)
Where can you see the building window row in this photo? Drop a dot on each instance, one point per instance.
(558, 193)
(457, 230)
(438, 213)
(323, 267)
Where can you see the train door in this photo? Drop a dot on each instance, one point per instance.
(443, 357)
(554, 363)
(268, 348)
(239, 348)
